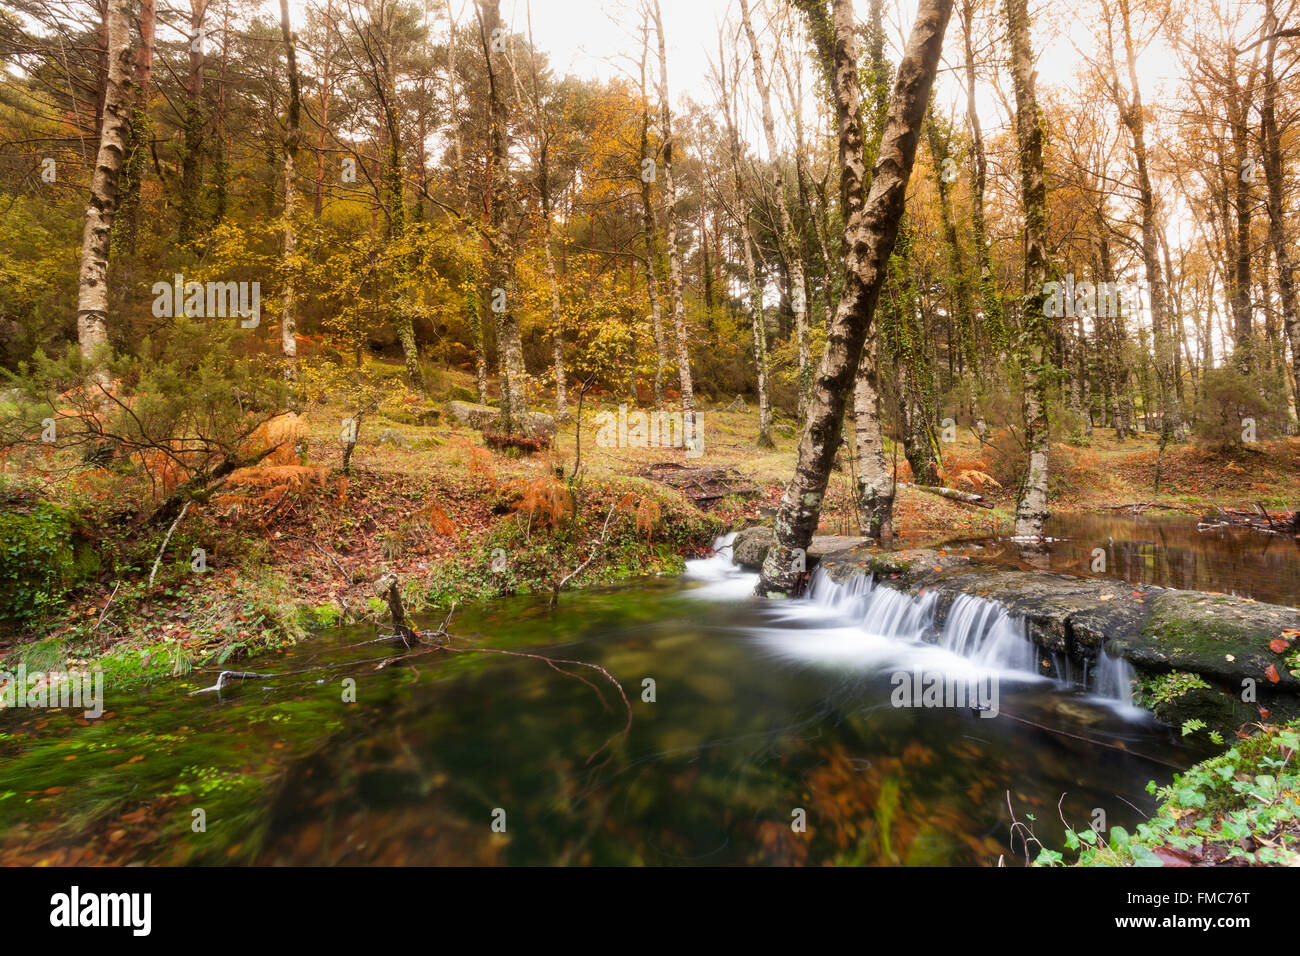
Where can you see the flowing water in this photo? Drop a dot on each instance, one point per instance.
(754, 732)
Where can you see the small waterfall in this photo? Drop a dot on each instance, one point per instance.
(984, 632)
(980, 630)
(1113, 677)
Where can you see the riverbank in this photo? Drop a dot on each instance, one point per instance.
(297, 545)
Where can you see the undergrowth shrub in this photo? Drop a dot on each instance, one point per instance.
(37, 563)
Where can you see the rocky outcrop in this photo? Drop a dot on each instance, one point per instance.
(1226, 641)
(750, 547)
(485, 417)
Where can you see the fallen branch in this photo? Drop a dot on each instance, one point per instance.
(387, 588)
(158, 560)
(555, 594)
(104, 612)
(1137, 507)
(965, 497)
(232, 675)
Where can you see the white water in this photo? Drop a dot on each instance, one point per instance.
(860, 623)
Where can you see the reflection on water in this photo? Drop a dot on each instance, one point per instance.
(761, 710)
(1163, 550)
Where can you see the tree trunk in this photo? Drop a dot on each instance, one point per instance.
(92, 284)
(650, 230)
(875, 492)
(1276, 212)
(194, 123)
(125, 223)
(991, 307)
(791, 244)
(514, 405)
(1031, 504)
(326, 82)
(757, 320)
(674, 253)
(1243, 319)
(1131, 113)
(870, 229)
(288, 325)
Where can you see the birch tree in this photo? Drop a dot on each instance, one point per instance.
(675, 281)
(292, 134)
(514, 407)
(96, 238)
(790, 242)
(870, 229)
(1035, 359)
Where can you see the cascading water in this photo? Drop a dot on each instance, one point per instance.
(1113, 677)
(885, 625)
(977, 629)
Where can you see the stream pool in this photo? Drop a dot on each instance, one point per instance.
(772, 738)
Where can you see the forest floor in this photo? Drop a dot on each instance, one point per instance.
(455, 522)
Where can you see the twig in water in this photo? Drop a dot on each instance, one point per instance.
(232, 675)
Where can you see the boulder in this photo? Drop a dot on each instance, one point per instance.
(484, 417)
(472, 415)
(750, 547)
(737, 405)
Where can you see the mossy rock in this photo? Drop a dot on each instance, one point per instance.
(1215, 636)
(459, 393)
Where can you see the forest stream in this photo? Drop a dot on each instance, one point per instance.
(753, 732)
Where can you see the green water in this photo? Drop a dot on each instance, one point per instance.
(741, 736)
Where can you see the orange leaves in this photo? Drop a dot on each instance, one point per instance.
(283, 433)
(647, 511)
(1271, 673)
(1278, 646)
(647, 517)
(266, 487)
(977, 479)
(440, 523)
(478, 462)
(545, 500)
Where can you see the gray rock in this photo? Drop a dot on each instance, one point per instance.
(1223, 639)
(472, 415)
(737, 405)
(484, 417)
(750, 546)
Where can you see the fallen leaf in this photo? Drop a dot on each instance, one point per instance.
(1105, 597)
(1277, 645)
(1271, 673)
